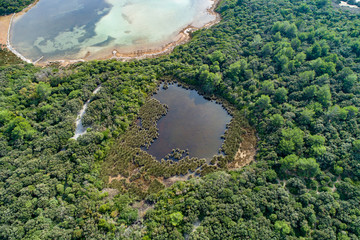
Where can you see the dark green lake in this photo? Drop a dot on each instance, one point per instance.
(192, 123)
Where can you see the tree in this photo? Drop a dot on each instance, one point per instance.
(356, 47)
(289, 162)
(20, 128)
(43, 90)
(306, 116)
(262, 103)
(257, 42)
(267, 87)
(309, 92)
(314, 51)
(217, 56)
(322, 67)
(306, 77)
(277, 120)
(324, 95)
(282, 227)
(322, 3)
(237, 70)
(281, 95)
(336, 113)
(356, 145)
(292, 140)
(307, 167)
(267, 49)
(352, 111)
(5, 117)
(176, 218)
(349, 82)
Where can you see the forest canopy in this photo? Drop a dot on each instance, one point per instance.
(291, 68)
(11, 6)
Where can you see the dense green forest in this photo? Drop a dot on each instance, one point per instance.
(11, 6)
(290, 68)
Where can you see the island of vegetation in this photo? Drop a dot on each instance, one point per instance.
(288, 70)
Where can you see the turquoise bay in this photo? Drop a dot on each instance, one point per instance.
(75, 29)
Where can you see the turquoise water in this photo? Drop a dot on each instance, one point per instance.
(73, 29)
(192, 123)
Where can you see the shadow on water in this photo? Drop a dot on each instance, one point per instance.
(192, 123)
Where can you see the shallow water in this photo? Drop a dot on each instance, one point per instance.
(73, 29)
(192, 123)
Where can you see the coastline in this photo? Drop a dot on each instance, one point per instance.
(183, 36)
(5, 22)
(5, 27)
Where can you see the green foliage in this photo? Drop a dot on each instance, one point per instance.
(356, 145)
(324, 95)
(43, 90)
(281, 95)
(19, 129)
(262, 103)
(307, 167)
(176, 218)
(289, 67)
(292, 140)
(11, 6)
(282, 227)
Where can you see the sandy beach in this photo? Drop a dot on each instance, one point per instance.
(4, 26)
(5, 23)
(183, 37)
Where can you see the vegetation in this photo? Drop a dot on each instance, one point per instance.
(11, 6)
(290, 68)
(129, 168)
(7, 57)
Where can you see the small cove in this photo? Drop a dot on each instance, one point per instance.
(192, 123)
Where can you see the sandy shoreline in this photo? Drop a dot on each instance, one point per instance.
(183, 37)
(6, 20)
(4, 27)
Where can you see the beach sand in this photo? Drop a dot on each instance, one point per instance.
(4, 26)
(5, 22)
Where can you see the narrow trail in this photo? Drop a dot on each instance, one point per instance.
(80, 129)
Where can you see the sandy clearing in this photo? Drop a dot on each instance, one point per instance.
(4, 27)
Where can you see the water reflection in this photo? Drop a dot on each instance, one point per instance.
(192, 123)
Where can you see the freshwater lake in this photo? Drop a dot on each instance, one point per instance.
(192, 123)
(92, 29)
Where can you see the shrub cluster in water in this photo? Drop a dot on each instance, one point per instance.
(132, 168)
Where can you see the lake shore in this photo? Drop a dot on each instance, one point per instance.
(5, 22)
(4, 27)
(183, 36)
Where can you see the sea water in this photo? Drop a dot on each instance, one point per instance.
(74, 29)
